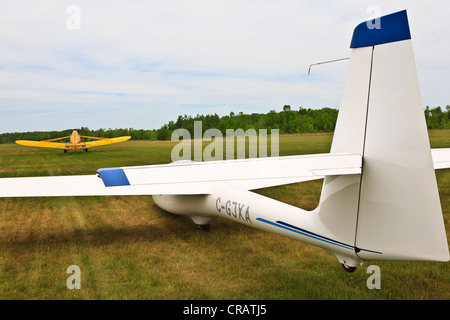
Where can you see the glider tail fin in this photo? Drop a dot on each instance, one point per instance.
(392, 210)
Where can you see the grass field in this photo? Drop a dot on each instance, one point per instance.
(128, 248)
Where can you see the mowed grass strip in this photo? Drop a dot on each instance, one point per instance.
(128, 248)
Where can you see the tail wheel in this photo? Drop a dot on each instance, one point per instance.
(204, 227)
(348, 268)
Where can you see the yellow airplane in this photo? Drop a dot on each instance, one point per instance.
(75, 142)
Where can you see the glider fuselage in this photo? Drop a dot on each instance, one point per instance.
(260, 212)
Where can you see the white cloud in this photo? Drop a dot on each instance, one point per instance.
(142, 63)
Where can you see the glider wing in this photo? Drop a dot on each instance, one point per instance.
(246, 174)
(186, 177)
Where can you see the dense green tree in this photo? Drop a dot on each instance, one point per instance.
(286, 121)
(436, 118)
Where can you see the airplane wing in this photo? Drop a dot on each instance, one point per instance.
(43, 144)
(186, 177)
(104, 141)
(246, 174)
(441, 158)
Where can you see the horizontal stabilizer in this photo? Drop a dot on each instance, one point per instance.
(441, 158)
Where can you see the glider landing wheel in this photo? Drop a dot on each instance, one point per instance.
(348, 268)
(204, 227)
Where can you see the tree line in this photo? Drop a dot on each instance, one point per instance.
(286, 121)
(437, 118)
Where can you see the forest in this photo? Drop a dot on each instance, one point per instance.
(286, 121)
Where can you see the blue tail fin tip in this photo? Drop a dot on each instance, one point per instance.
(389, 28)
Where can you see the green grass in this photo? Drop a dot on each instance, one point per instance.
(128, 248)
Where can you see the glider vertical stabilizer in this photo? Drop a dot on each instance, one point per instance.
(394, 204)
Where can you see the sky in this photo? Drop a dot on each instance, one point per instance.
(139, 64)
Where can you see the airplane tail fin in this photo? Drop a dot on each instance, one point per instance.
(392, 210)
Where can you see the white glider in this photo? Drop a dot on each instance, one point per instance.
(379, 198)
